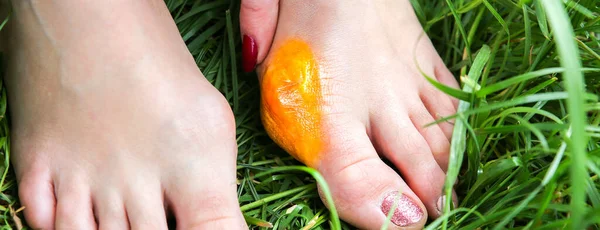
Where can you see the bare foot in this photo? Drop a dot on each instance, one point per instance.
(113, 123)
(340, 89)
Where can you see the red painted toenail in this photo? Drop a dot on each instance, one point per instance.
(249, 53)
(407, 212)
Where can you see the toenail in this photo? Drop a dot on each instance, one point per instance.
(440, 204)
(406, 211)
(249, 53)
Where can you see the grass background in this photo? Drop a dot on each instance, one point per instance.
(526, 143)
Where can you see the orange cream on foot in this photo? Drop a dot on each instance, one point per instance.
(291, 101)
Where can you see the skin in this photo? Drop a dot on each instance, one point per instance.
(122, 139)
(374, 102)
(113, 125)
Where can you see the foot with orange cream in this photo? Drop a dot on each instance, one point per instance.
(341, 90)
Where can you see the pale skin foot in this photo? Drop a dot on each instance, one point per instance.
(113, 125)
(352, 63)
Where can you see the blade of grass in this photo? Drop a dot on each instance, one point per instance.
(320, 180)
(458, 143)
(232, 59)
(573, 79)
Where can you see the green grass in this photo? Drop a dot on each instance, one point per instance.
(526, 141)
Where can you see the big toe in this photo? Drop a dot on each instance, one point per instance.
(364, 189)
(207, 204)
(212, 205)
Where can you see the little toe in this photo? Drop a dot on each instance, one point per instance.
(364, 188)
(36, 193)
(401, 143)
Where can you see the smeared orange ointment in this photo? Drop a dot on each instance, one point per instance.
(291, 101)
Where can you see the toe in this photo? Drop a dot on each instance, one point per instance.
(443, 75)
(438, 105)
(258, 19)
(437, 142)
(210, 203)
(437, 102)
(36, 193)
(74, 204)
(407, 149)
(144, 205)
(109, 209)
(363, 187)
